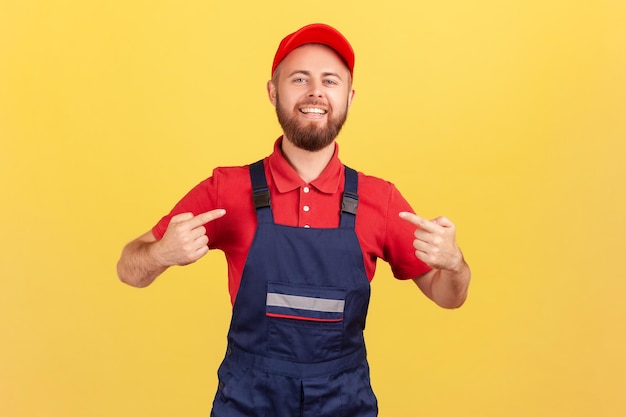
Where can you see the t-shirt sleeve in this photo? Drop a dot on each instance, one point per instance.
(398, 248)
(201, 198)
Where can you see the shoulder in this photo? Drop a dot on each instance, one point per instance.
(380, 201)
(227, 176)
(373, 181)
(376, 189)
(232, 172)
(226, 183)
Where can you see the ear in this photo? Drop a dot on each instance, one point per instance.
(350, 97)
(271, 92)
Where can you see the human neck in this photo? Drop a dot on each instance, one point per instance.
(308, 165)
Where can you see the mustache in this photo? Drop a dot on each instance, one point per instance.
(313, 103)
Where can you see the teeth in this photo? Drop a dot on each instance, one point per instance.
(313, 110)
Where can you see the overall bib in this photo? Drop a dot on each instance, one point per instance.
(295, 344)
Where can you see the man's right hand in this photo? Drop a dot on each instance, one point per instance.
(185, 240)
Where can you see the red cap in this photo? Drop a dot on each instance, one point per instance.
(316, 33)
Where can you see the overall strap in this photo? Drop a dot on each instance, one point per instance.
(261, 193)
(350, 201)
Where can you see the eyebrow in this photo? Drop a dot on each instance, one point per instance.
(308, 73)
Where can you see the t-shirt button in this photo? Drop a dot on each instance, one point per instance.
(305, 189)
(306, 226)
(306, 208)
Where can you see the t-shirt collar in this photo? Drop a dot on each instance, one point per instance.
(287, 179)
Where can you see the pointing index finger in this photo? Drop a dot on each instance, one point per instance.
(416, 220)
(206, 217)
(412, 218)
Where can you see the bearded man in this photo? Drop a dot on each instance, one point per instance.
(301, 234)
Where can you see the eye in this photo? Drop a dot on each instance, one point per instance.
(299, 80)
(330, 82)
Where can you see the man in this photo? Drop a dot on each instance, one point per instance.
(301, 234)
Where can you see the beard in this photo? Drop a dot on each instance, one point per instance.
(310, 136)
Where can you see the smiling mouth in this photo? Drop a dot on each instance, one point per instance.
(312, 110)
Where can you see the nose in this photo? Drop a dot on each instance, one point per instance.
(315, 89)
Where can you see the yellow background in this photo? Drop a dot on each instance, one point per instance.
(509, 117)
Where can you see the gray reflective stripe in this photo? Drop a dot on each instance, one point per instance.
(305, 303)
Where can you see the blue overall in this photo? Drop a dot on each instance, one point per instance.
(295, 344)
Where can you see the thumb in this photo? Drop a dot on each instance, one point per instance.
(181, 217)
(443, 221)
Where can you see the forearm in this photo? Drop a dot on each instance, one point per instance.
(138, 266)
(447, 288)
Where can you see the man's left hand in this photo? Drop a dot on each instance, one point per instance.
(435, 242)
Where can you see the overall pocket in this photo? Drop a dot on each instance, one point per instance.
(305, 323)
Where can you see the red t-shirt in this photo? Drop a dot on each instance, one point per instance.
(380, 231)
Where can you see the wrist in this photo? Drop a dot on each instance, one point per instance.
(153, 250)
(458, 264)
